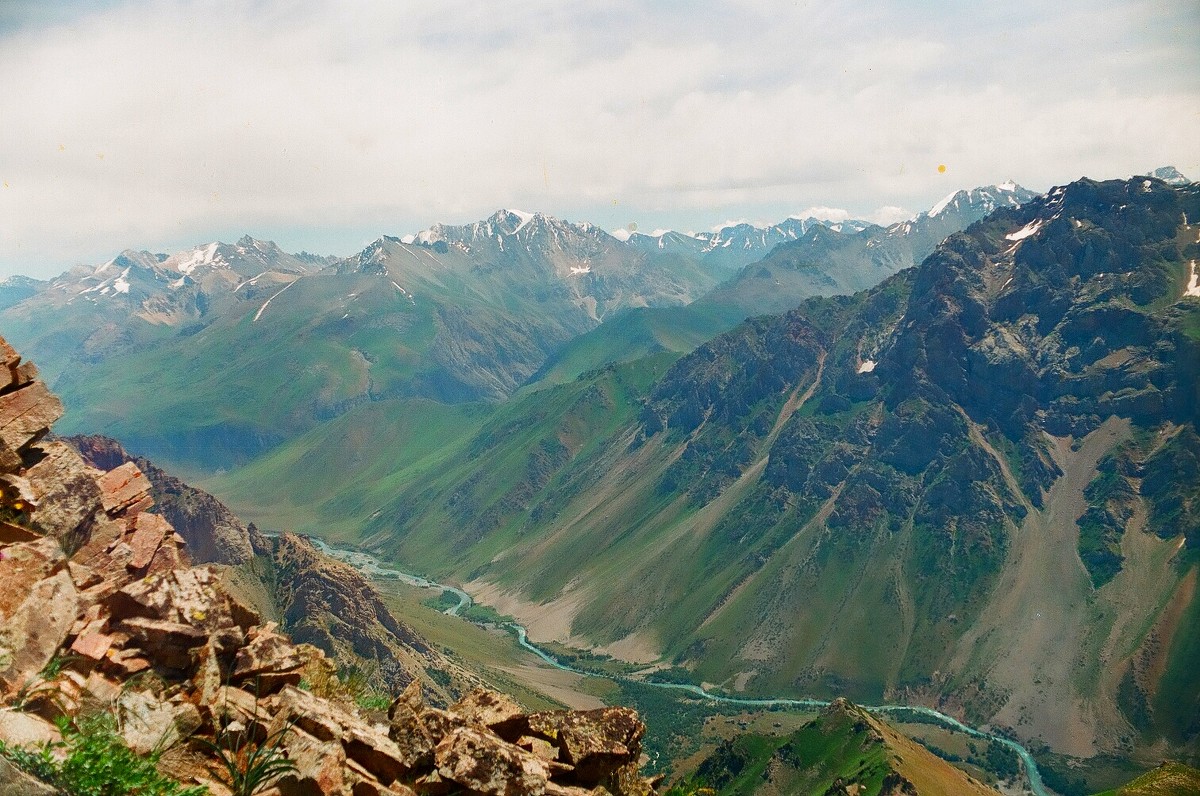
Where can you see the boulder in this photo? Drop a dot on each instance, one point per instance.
(148, 724)
(268, 657)
(320, 766)
(596, 742)
(15, 782)
(26, 414)
(486, 708)
(33, 632)
(186, 596)
(168, 644)
(483, 763)
(19, 729)
(65, 492)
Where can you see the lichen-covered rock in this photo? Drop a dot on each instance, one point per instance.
(33, 631)
(485, 764)
(595, 742)
(486, 708)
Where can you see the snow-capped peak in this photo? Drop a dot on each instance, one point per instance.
(942, 205)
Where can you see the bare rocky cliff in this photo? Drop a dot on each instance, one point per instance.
(101, 612)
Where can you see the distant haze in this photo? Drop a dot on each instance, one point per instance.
(322, 125)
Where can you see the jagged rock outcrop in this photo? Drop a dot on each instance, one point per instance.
(213, 532)
(95, 581)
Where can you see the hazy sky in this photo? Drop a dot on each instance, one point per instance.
(322, 125)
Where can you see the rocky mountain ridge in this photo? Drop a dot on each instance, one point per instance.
(98, 589)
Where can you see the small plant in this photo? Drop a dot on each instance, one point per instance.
(96, 763)
(250, 765)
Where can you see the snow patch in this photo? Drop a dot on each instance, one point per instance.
(202, 256)
(1145, 186)
(622, 235)
(1008, 186)
(580, 269)
(1024, 232)
(1193, 288)
(867, 366)
(942, 205)
(525, 219)
(251, 282)
(408, 239)
(258, 314)
(122, 283)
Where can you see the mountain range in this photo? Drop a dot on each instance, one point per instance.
(957, 487)
(454, 313)
(946, 470)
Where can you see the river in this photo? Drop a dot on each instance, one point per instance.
(371, 566)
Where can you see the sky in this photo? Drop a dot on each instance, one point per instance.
(322, 125)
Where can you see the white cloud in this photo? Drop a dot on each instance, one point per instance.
(886, 216)
(824, 213)
(155, 124)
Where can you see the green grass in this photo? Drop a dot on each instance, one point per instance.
(96, 762)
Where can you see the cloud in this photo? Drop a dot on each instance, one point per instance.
(160, 124)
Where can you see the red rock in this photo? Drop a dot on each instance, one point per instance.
(266, 652)
(166, 558)
(85, 577)
(168, 644)
(485, 764)
(66, 494)
(122, 487)
(10, 533)
(8, 355)
(26, 414)
(149, 533)
(92, 645)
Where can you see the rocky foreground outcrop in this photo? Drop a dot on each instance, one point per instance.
(101, 611)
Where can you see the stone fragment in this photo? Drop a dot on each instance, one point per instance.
(596, 742)
(92, 645)
(266, 653)
(15, 782)
(122, 487)
(185, 596)
(26, 414)
(21, 566)
(149, 532)
(10, 533)
(24, 729)
(320, 766)
(85, 577)
(166, 558)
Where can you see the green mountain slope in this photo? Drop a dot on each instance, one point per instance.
(875, 495)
